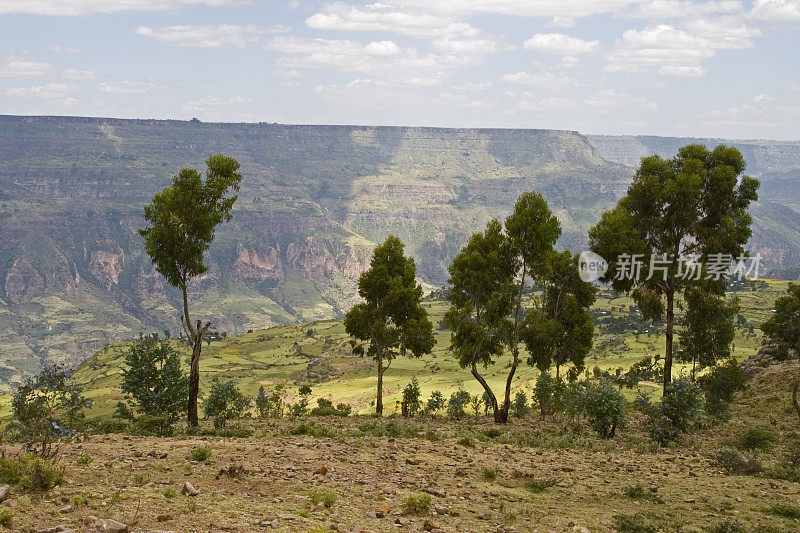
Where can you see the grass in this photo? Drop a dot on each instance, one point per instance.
(30, 472)
(6, 517)
(84, 458)
(785, 510)
(490, 473)
(201, 453)
(540, 485)
(638, 492)
(416, 504)
(324, 497)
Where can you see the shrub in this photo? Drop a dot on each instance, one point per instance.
(466, 441)
(46, 411)
(379, 428)
(638, 492)
(456, 404)
(169, 493)
(540, 485)
(753, 439)
(153, 425)
(785, 509)
(604, 406)
(154, 384)
(298, 409)
(314, 430)
(326, 408)
(637, 523)
(269, 406)
(734, 463)
(225, 402)
(6, 517)
(675, 414)
(728, 525)
(83, 458)
(490, 473)
(720, 385)
(544, 392)
(520, 405)
(416, 504)
(201, 453)
(435, 403)
(323, 497)
(30, 472)
(411, 399)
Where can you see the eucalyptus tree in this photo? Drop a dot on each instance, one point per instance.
(677, 214)
(391, 317)
(183, 219)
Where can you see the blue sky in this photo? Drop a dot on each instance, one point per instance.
(721, 68)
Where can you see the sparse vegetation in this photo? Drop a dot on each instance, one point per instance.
(201, 453)
(324, 497)
(416, 504)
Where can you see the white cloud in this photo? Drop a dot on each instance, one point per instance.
(126, 87)
(383, 17)
(678, 52)
(63, 48)
(377, 60)
(525, 8)
(560, 44)
(213, 101)
(562, 22)
(670, 9)
(283, 73)
(547, 79)
(75, 74)
(777, 10)
(608, 99)
(208, 36)
(21, 68)
(55, 93)
(91, 7)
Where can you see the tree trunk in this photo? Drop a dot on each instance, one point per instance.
(498, 418)
(669, 332)
(379, 400)
(194, 379)
(794, 398)
(503, 415)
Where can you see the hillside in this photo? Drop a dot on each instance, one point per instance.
(314, 201)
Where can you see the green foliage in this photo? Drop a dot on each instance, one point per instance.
(84, 458)
(785, 509)
(304, 390)
(411, 403)
(520, 405)
(697, 197)
(170, 493)
(490, 473)
(225, 402)
(46, 411)
(30, 472)
(728, 525)
(298, 409)
(638, 492)
(783, 327)
(757, 439)
(675, 414)
(379, 428)
(734, 463)
(720, 385)
(646, 369)
(315, 430)
(545, 393)
(417, 504)
(326, 408)
(457, 403)
(540, 485)
(467, 441)
(391, 317)
(435, 403)
(154, 383)
(201, 453)
(637, 523)
(708, 328)
(324, 497)
(6, 517)
(269, 406)
(604, 406)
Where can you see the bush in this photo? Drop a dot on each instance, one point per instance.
(754, 439)
(326, 408)
(490, 473)
(734, 463)
(728, 525)
(155, 386)
(225, 402)
(638, 492)
(675, 414)
(520, 405)
(6, 517)
(83, 458)
(411, 399)
(785, 509)
(435, 403)
(604, 407)
(637, 523)
(720, 385)
(314, 430)
(540, 485)
(379, 428)
(201, 453)
(323, 497)
(46, 411)
(153, 425)
(544, 392)
(457, 403)
(30, 472)
(416, 504)
(269, 406)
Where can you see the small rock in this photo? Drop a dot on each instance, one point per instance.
(189, 490)
(107, 525)
(5, 490)
(486, 515)
(430, 525)
(164, 517)
(441, 510)
(454, 512)
(321, 471)
(385, 508)
(11, 502)
(66, 509)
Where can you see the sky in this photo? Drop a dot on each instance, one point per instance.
(717, 68)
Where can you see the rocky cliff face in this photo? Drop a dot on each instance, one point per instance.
(314, 201)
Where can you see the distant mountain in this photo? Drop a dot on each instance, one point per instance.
(314, 201)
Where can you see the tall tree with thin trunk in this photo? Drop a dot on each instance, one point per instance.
(677, 213)
(391, 317)
(183, 219)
